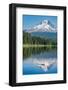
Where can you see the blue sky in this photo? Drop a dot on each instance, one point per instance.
(32, 20)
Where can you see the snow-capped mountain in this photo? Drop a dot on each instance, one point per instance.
(44, 26)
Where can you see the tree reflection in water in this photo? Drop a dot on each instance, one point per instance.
(29, 51)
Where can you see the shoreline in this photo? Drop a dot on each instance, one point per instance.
(39, 46)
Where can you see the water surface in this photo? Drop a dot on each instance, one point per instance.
(39, 60)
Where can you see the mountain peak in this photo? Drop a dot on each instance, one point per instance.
(44, 26)
(45, 21)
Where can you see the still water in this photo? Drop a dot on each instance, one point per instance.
(40, 60)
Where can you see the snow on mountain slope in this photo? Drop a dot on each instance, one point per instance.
(44, 26)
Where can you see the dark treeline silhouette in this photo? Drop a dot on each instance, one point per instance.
(28, 39)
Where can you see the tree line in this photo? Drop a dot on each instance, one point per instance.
(28, 39)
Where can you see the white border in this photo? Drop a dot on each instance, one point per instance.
(43, 77)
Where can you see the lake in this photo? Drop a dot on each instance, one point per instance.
(39, 60)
